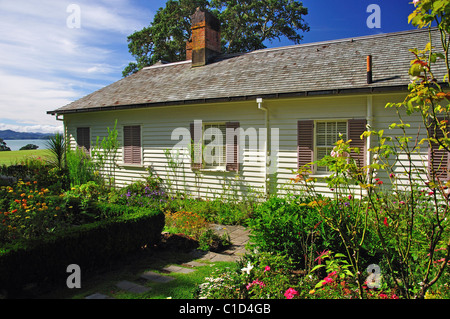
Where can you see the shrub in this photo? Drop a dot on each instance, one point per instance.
(259, 276)
(89, 246)
(290, 226)
(188, 223)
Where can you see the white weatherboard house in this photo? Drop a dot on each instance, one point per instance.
(290, 103)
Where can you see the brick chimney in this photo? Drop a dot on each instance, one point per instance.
(205, 41)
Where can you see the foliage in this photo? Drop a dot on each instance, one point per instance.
(3, 146)
(188, 223)
(245, 27)
(81, 169)
(292, 227)
(90, 246)
(258, 276)
(105, 153)
(29, 147)
(215, 211)
(57, 146)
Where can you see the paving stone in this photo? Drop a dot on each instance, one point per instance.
(223, 257)
(155, 277)
(194, 264)
(132, 287)
(178, 269)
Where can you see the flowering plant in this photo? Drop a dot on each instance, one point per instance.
(30, 213)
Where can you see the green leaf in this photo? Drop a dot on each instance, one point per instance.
(317, 267)
(319, 284)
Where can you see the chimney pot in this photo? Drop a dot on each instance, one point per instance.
(369, 69)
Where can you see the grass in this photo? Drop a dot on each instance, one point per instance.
(13, 157)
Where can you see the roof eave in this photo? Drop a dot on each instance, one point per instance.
(343, 91)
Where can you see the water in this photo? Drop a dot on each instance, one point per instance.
(15, 145)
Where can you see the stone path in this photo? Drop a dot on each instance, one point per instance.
(238, 237)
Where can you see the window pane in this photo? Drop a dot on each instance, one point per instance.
(214, 145)
(327, 134)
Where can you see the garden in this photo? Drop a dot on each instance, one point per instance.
(373, 239)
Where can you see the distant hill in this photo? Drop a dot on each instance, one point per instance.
(12, 135)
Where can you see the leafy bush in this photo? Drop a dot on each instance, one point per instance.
(290, 226)
(91, 245)
(260, 276)
(188, 223)
(80, 168)
(214, 211)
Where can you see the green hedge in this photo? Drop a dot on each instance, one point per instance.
(89, 246)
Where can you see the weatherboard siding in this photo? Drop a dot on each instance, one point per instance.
(157, 125)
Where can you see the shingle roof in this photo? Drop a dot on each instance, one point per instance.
(327, 67)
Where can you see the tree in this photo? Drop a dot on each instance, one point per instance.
(29, 147)
(246, 25)
(3, 146)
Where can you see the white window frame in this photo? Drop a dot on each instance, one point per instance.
(221, 165)
(328, 146)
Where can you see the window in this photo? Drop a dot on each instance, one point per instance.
(327, 133)
(132, 144)
(315, 139)
(84, 139)
(215, 146)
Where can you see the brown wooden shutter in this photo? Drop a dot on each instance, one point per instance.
(232, 146)
(196, 145)
(132, 144)
(84, 138)
(355, 128)
(305, 142)
(438, 160)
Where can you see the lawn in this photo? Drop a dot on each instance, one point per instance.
(12, 157)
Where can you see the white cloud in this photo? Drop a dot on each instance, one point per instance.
(45, 64)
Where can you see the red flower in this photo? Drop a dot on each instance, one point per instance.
(385, 222)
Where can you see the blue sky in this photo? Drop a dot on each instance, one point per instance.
(45, 64)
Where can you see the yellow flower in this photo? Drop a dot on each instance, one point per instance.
(30, 196)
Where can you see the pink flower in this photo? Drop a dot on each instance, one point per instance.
(349, 196)
(321, 256)
(255, 282)
(391, 175)
(290, 293)
(415, 2)
(328, 280)
(402, 202)
(267, 268)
